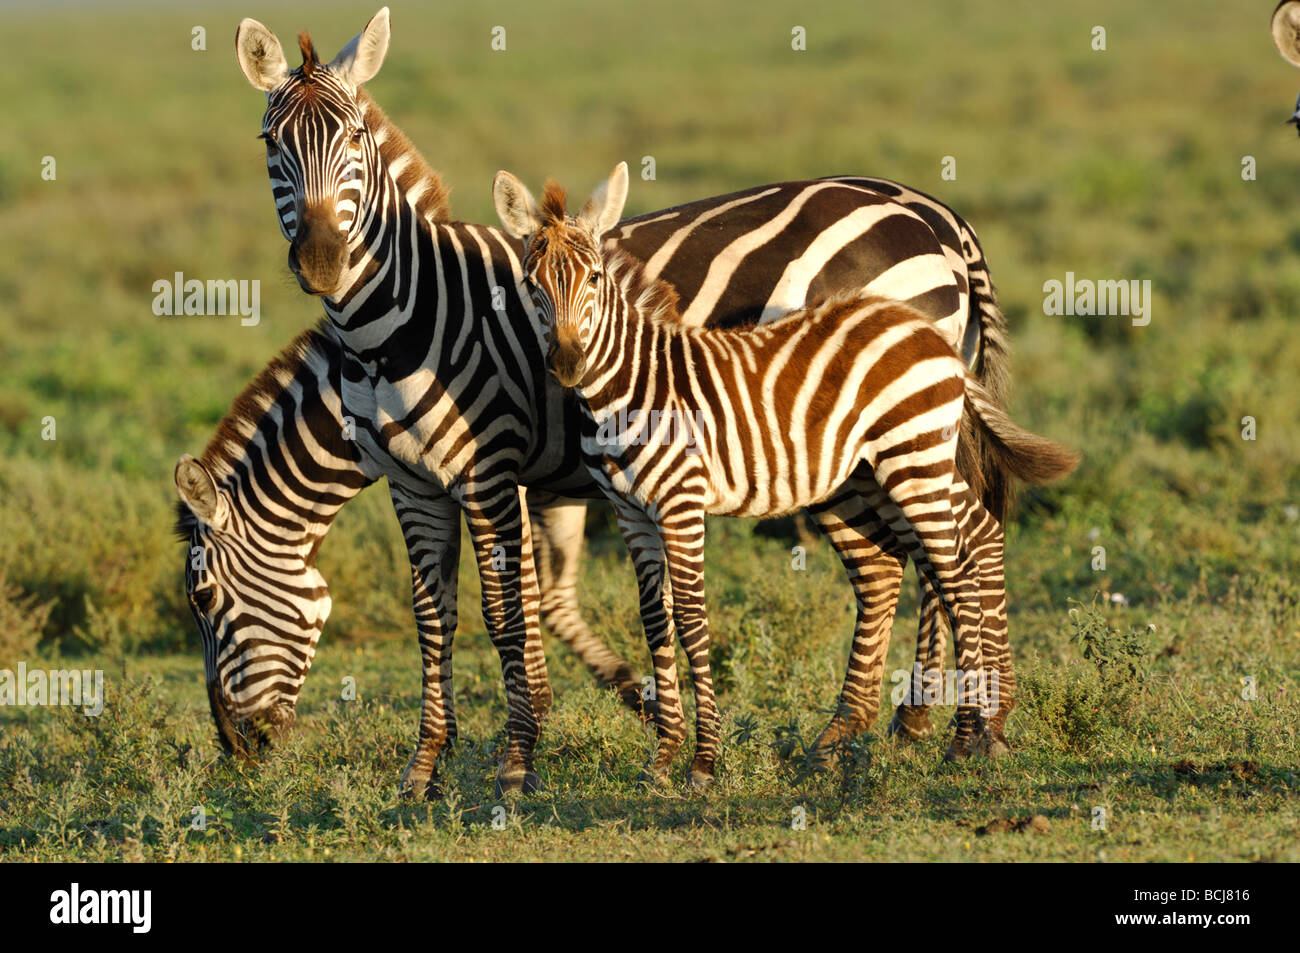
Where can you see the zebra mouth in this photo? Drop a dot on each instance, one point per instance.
(250, 736)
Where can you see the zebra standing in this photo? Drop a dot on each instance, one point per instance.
(451, 384)
(851, 407)
(254, 510)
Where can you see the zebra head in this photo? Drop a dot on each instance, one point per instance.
(259, 610)
(563, 265)
(320, 155)
(1286, 37)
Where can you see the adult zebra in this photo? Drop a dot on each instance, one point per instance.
(254, 510)
(451, 382)
(850, 407)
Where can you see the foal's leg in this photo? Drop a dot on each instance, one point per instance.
(682, 531)
(655, 596)
(926, 505)
(985, 539)
(867, 548)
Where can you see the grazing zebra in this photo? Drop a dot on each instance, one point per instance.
(254, 510)
(852, 407)
(451, 383)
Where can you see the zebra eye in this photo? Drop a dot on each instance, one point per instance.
(594, 279)
(358, 136)
(201, 599)
(271, 144)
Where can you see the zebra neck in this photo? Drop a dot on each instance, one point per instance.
(283, 518)
(371, 286)
(620, 365)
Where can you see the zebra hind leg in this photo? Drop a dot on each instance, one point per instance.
(911, 721)
(945, 561)
(867, 549)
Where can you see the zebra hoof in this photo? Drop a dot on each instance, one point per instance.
(698, 782)
(652, 777)
(993, 744)
(957, 751)
(517, 781)
(418, 784)
(910, 724)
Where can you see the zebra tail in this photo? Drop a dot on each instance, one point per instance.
(1026, 456)
(982, 464)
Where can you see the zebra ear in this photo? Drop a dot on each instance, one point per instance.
(260, 55)
(359, 61)
(516, 206)
(1286, 30)
(605, 207)
(198, 491)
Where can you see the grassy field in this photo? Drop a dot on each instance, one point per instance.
(1118, 164)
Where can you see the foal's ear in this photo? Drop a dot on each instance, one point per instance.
(198, 490)
(515, 205)
(260, 55)
(1286, 30)
(359, 61)
(605, 207)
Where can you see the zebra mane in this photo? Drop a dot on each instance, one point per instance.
(653, 299)
(240, 423)
(414, 175)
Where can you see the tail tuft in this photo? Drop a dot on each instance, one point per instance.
(1026, 456)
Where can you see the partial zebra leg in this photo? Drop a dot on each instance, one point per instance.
(927, 514)
(558, 529)
(431, 528)
(682, 531)
(867, 548)
(986, 543)
(984, 538)
(539, 683)
(911, 721)
(645, 545)
(495, 526)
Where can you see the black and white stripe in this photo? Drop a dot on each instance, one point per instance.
(453, 389)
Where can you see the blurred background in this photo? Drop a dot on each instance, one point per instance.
(1117, 164)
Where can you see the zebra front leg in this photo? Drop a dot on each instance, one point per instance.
(539, 683)
(495, 526)
(558, 526)
(682, 532)
(655, 597)
(865, 546)
(431, 528)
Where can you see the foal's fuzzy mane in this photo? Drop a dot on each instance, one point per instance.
(654, 299)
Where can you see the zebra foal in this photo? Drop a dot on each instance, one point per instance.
(851, 406)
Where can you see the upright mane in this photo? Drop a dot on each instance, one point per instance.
(653, 298)
(414, 175)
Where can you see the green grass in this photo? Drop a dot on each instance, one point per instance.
(1122, 164)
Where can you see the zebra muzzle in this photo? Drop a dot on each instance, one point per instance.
(567, 360)
(318, 252)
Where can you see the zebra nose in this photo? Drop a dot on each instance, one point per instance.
(318, 252)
